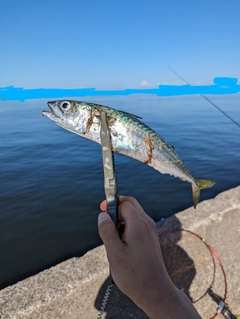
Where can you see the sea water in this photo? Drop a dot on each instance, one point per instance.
(51, 180)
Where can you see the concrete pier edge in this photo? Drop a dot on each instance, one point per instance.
(72, 288)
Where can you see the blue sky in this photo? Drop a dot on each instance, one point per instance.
(114, 44)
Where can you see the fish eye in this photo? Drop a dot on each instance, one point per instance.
(65, 105)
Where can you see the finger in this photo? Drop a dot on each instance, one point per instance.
(133, 217)
(108, 232)
(135, 225)
(132, 200)
(103, 206)
(128, 214)
(135, 204)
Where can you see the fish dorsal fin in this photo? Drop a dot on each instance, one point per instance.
(133, 116)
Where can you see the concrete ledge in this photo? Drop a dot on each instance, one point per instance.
(75, 288)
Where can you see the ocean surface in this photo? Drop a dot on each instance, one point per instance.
(51, 180)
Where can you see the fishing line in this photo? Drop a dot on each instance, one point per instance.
(207, 99)
(191, 264)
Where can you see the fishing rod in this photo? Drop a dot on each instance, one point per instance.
(199, 256)
(207, 99)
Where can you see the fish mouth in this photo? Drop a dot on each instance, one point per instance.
(51, 107)
(52, 112)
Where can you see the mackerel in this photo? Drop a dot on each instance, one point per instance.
(129, 137)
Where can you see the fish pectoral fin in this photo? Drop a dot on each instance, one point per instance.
(200, 184)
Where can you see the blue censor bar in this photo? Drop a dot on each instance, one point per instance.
(222, 85)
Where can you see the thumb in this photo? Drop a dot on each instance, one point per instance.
(107, 230)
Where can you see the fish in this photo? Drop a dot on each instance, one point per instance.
(129, 136)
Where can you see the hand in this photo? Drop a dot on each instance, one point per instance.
(136, 261)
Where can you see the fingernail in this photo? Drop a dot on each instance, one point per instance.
(102, 217)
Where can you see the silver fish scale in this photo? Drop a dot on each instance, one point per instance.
(130, 137)
(135, 139)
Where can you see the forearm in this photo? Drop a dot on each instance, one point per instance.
(172, 306)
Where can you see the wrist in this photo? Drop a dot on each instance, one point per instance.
(157, 295)
(173, 304)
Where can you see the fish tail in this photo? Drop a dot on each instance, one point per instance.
(200, 184)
